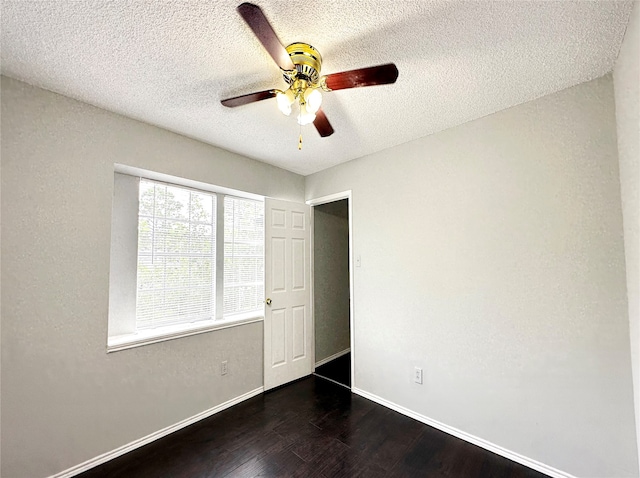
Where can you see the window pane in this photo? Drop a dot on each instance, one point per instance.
(145, 234)
(177, 203)
(201, 208)
(159, 201)
(243, 255)
(176, 255)
(147, 198)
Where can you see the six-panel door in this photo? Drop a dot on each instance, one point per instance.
(287, 326)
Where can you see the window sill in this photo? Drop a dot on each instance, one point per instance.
(151, 336)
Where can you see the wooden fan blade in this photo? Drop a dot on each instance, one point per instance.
(257, 21)
(250, 98)
(322, 124)
(374, 75)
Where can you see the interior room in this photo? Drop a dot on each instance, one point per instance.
(476, 164)
(331, 291)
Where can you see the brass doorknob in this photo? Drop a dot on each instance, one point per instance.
(268, 301)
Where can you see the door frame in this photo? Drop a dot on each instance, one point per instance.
(316, 202)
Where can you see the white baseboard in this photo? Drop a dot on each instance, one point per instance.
(110, 455)
(498, 450)
(332, 357)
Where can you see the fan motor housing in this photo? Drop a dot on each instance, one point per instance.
(307, 61)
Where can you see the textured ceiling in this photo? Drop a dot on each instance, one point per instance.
(169, 63)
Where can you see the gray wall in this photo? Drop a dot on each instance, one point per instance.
(492, 257)
(626, 80)
(331, 278)
(64, 400)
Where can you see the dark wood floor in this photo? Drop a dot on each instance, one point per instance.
(338, 369)
(311, 428)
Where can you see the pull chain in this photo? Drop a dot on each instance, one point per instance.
(300, 137)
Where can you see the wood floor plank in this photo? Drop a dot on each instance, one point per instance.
(310, 428)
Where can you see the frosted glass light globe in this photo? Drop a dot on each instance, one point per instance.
(284, 105)
(313, 99)
(305, 116)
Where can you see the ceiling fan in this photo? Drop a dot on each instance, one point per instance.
(300, 64)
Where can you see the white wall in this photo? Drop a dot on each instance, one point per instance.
(64, 400)
(492, 256)
(626, 82)
(331, 278)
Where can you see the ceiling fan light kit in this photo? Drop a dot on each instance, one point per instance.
(303, 83)
(301, 66)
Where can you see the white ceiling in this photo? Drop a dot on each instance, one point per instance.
(169, 63)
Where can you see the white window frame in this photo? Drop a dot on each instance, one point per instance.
(122, 333)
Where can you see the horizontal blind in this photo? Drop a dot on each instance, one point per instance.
(176, 255)
(243, 255)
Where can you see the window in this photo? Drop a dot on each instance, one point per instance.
(199, 261)
(176, 256)
(243, 255)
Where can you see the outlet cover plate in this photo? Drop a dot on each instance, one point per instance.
(417, 375)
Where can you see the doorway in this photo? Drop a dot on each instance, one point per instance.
(331, 273)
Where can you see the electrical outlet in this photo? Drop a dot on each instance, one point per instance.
(224, 368)
(417, 375)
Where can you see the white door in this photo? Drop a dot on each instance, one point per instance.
(288, 332)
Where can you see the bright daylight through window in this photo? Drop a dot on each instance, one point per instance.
(176, 256)
(243, 255)
(200, 261)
